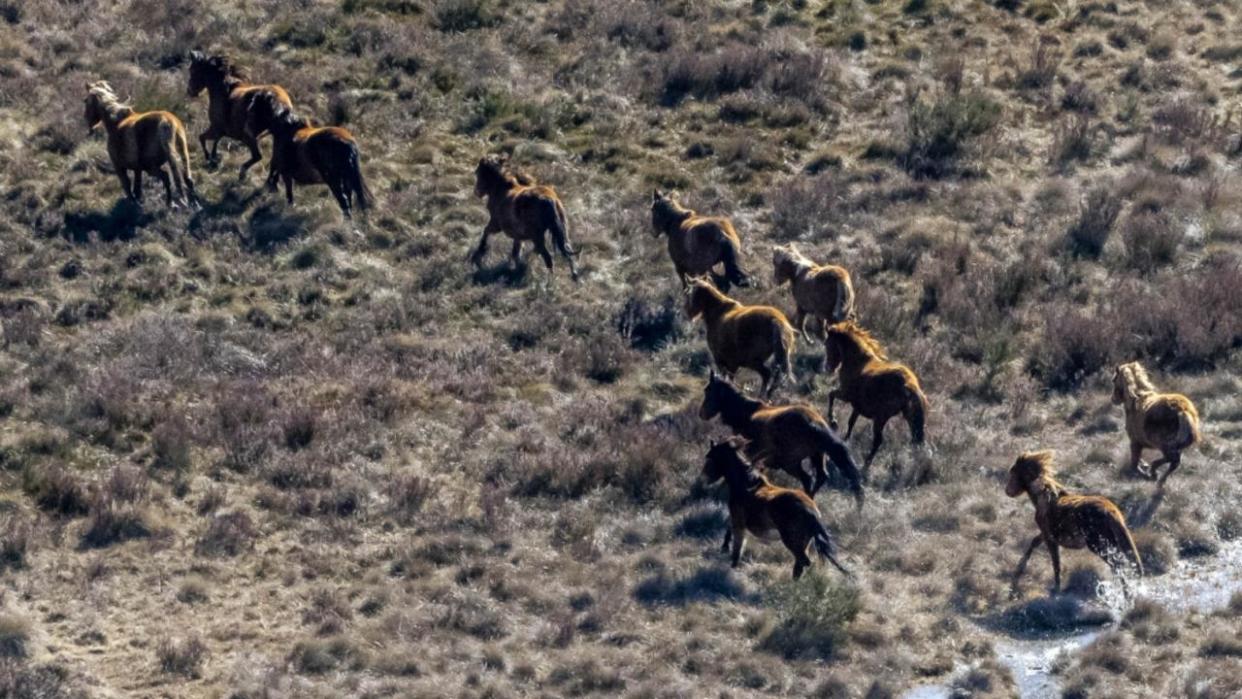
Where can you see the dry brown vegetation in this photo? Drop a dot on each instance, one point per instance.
(253, 451)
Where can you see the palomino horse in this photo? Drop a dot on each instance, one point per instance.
(873, 386)
(822, 291)
(308, 154)
(758, 507)
(1072, 521)
(235, 108)
(1164, 421)
(743, 336)
(698, 243)
(523, 210)
(142, 142)
(782, 437)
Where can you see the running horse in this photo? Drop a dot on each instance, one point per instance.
(524, 210)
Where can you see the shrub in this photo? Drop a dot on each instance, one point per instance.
(14, 635)
(1151, 240)
(193, 590)
(55, 489)
(170, 445)
(938, 133)
(182, 657)
(228, 535)
(406, 496)
(1090, 232)
(648, 324)
(15, 533)
(1072, 140)
(1041, 70)
(111, 522)
(464, 15)
(812, 614)
(802, 207)
(1076, 344)
(318, 656)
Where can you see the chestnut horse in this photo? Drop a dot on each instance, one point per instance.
(523, 210)
(822, 291)
(1072, 521)
(873, 386)
(142, 142)
(783, 436)
(758, 507)
(743, 336)
(236, 109)
(308, 154)
(1164, 421)
(698, 243)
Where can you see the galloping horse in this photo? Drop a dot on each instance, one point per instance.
(698, 243)
(523, 210)
(235, 109)
(822, 291)
(782, 436)
(1072, 521)
(758, 507)
(743, 336)
(873, 386)
(1164, 421)
(308, 154)
(142, 142)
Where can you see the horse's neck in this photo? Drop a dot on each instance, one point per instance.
(742, 479)
(1044, 493)
(115, 114)
(673, 220)
(225, 86)
(800, 267)
(718, 304)
(855, 358)
(739, 413)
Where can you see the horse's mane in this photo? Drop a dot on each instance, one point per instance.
(224, 65)
(703, 286)
(494, 173)
(1035, 466)
(1138, 382)
(103, 91)
(861, 338)
(668, 210)
(788, 260)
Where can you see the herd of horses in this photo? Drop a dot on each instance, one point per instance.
(767, 436)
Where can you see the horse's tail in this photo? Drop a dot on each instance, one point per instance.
(825, 547)
(845, 299)
(786, 340)
(183, 148)
(841, 458)
(559, 226)
(734, 272)
(1122, 542)
(353, 172)
(915, 412)
(1187, 429)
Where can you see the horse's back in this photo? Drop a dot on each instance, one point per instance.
(146, 138)
(1162, 421)
(1082, 517)
(752, 333)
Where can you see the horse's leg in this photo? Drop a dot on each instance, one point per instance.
(849, 425)
(1017, 573)
(1174, 460)
(877, 438)
(832, 398)
(820, 464)
(724, 548)
(476, 258)
(1136, 461)
(213, 135)
(796, 470)
(255, 156)
(739, 540)
(800, 323)
(797, 543)
(516, 254)
(168, 190)
(123, 175)
(138, 186)
(542, 248)
(766, 374)
(1054, 552)
(341, 201)
(289, 188)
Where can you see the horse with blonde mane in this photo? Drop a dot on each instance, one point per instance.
(1068, 520)
(758, 507)
(741, 336)
(822, 291)
(309, 154)
(236, 108)
(875, 387)
(523, 210)
(143, 142)
(696, 243)
(782, 436)
(1167, 422)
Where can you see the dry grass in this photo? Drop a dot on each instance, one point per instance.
(286, 454)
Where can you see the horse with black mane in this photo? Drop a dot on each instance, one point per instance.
(524, 210)
(309, 154)
(236, 108)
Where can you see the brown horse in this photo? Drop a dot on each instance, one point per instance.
(1072, 521)
(743, 336)
(308, 154)
(235, 109)
(758, 507)
(142, 142)
(1164, 421)
(873, 386)
(523, 210)
(782, 437)
(822, 291)
(698, 243)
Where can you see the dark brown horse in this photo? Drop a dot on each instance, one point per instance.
(1072, 521)
(308, 154)
(758, 338)
(236, 108)
(873, 386)
(782, 437)
(758, 507)
(523, 210)
(141, 142)
(696, 243)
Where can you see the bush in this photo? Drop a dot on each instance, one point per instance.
(1151, 240)
(464, 15)
(55, 489)
(1076, 344)
(14, 635)
(183, 657)
(938, 133)
(170, 445)
(15, 533)
(1072, 141)
(812, 614)
(1088, 235)
(318, 656)
(228, 535)
(407, 494)
(802, 207)
(648, 324)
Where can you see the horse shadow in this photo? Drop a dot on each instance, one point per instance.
(1140, 514)
(503, 273)
(710, 583)
(1062, 614)
(121, 222)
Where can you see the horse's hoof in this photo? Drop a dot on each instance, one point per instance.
(834, 425)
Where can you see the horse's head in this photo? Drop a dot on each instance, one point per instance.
(665, 213)
(834, 349)
(99, 95)
(783, 263)
(715, 394)
(489, 174)
(1028, 468)
(699, 294)
(721, 459)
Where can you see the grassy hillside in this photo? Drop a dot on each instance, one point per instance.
(255, 451)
